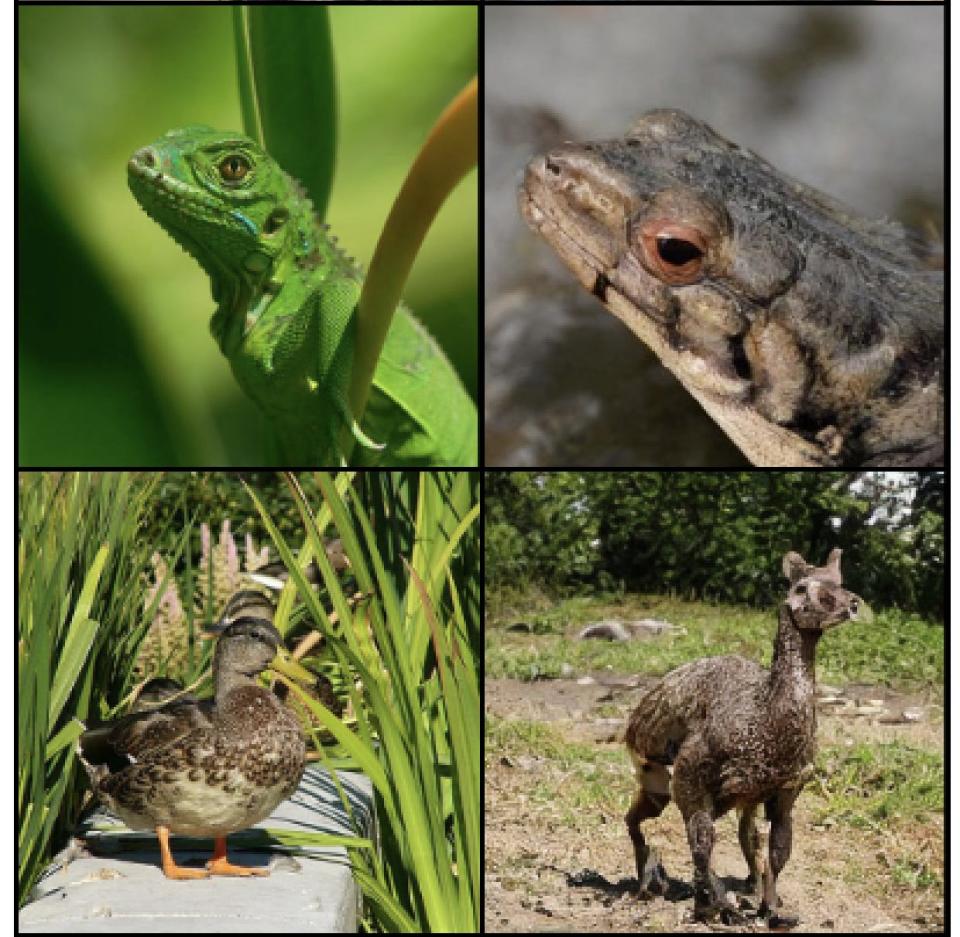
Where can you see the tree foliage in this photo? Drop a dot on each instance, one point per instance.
(717, 536)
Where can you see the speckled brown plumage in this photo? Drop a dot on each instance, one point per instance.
(204, 768)
(737, 735)
(253, 603)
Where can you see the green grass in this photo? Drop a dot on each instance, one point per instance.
(592, 775)
(892, 650)
(867, 786)
(893, 791)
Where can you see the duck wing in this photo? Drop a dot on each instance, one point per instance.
(132, 738)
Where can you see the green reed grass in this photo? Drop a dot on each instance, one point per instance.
(411, 644)
(80, 619)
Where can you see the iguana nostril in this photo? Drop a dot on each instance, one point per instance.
(146, 157)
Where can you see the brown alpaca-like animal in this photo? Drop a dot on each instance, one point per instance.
(736, 735)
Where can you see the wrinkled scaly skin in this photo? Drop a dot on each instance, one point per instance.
(286, 298)
(812, 336)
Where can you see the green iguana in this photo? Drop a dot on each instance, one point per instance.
(286, 300)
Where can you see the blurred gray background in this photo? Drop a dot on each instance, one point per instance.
(848, 99)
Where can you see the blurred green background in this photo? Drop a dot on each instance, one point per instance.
(116, 362)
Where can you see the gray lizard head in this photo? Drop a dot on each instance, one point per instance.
(810, 334)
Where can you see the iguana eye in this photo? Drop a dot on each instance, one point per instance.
(672, 252)
(234, 168)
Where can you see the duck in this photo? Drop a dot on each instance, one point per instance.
(203, 767)
(273, 575)
(256, 603)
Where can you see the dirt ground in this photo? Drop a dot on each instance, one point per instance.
(839, 878)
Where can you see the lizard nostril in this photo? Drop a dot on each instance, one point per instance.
(145, 158)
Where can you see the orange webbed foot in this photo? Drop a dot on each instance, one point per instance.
(221, 865)
(170, 867)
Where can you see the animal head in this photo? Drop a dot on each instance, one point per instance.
(219, 195)
(816, 599)
(247, 646)
(246, 603)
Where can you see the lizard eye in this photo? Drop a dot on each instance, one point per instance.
(674, 253)
(234, 168)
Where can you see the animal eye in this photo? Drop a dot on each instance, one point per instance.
(234, 168)
(676, 252)
(672, 252)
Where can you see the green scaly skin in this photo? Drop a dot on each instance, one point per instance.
(286, 300)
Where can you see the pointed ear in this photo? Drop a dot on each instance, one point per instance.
(794, 567)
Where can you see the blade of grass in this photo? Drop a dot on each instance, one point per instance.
(286, 77)
(448, 154)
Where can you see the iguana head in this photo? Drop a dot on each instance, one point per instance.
(228, 204)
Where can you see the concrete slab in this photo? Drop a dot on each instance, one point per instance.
(116, 884)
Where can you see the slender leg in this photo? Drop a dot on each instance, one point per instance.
(709, 895)
(220, 865)
(650, 872)
(749, 843)
(781, 840)
(650, 800)
(691, 792)
(170, 868)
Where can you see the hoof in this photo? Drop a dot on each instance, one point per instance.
(711, 903)
(725, 913)
(653, 878)
(731, 917)
(783, 921)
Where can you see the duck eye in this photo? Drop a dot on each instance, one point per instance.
(234, 168)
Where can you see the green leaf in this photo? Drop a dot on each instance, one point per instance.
(80, 637)
(287, 82)
(447, 155)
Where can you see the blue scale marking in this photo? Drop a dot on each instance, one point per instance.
(246, 222)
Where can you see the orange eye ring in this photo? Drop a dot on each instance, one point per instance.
(673, 252)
